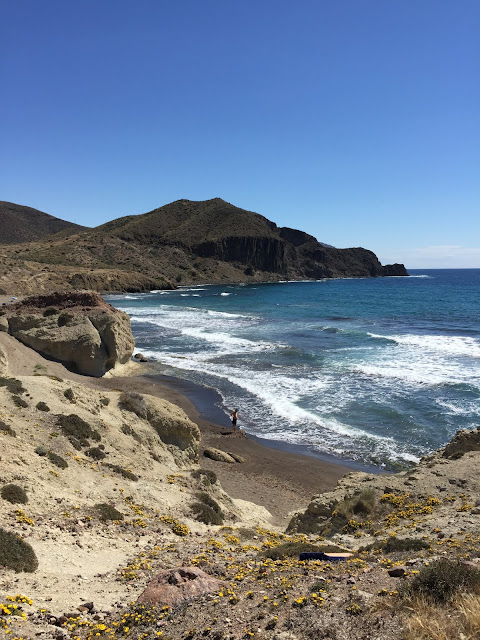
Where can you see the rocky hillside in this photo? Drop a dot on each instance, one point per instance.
(111, 528)
(24, 224)
(183, 242)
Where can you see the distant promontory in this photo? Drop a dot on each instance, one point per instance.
(184, 242)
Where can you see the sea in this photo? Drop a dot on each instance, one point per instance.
(378, 371)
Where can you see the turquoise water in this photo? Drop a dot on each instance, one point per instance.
(378, 370)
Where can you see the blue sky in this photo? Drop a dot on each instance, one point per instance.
(354, 120)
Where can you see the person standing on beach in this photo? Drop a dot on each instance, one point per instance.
(234, 419)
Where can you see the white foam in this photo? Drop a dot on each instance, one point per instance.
(227, 341)
(225, 314)
(224, 293)
(453, 345)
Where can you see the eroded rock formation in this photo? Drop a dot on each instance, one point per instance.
(76, 328)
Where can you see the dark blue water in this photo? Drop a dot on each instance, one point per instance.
(377, 370)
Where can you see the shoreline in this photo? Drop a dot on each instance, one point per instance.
(279, 478)
(206, 401)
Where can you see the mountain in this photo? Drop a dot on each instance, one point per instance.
(184, 242)
(24, 224)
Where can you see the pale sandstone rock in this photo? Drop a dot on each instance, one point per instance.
(86, 334)
(174, 428)
(218, 456)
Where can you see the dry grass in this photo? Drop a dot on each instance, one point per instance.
(459, 620)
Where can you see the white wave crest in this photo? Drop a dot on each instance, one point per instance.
(452, 345)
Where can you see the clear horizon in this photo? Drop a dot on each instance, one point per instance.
(355, 122)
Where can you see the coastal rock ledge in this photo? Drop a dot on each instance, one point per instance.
(77, 328)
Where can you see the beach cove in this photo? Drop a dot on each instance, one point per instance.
(376, 371)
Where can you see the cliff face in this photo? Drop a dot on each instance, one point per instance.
(184, 242)
(262, 253)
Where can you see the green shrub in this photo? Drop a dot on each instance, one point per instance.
(7, 429)
(128, 431)
(246, 534)
(73, 426)
(104, 401)
(125, 473)
(41, 450)
(42, 406)
(106, 512)
(96, 453)
(78, 444)
(64, 318)
(394, 544)
(57, 460)
(441, 580)
(50, 311)
(69, 395)
(319, 585)
(204, 513)
(15, 553)
(291, 549)
(13, 385)
(134, 402)
(209, 501)
(363, 503)
(208, 477)
(359, 505)
(19, 402)
(14, 494)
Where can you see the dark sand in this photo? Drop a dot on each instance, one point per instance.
(280, 480)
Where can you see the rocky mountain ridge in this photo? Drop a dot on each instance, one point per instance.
(184, 242)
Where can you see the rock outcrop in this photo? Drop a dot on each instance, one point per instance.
(463, 442)
(445, 473)
(175, 429)
(174, 587)
(3, 362)
(78, 329)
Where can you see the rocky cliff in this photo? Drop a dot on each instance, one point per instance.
(76, 328)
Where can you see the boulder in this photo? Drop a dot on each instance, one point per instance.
(78, 329)
(462, 442)
(218, 456)
(177, 586)
(236, 457)
(3, 324)
(174, 428)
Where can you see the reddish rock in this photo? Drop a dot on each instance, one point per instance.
(182, 584)
(397, 572)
